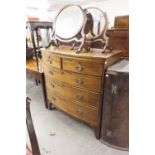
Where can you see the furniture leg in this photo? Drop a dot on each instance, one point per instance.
(36, 82)
(97, 132)
(49, 105)
(42, 80)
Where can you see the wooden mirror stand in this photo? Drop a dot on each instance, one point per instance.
(75, 26)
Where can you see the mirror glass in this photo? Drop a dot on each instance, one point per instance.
(69, 22)
(99, 23)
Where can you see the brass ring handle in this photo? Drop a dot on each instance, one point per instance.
(79, 111)
(79, 97)
(79, 81)
(52, 85)
(63, 98)
(79, 67)
(54, 98)
(61, 84)
(49, 60)
(50, 72)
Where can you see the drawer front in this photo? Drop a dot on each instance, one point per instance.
(92, 67)
(87, 98)
(77, 80)
(88, 115)
(51, 60)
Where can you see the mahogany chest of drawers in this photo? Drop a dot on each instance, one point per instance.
(74, 82)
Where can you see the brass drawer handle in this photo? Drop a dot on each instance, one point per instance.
(79, 97)
(50, 72)
(49, 60)
(60, 84)
(79, 111)
(79, 81)
(52, 85)
(63, 98)
(79, 67)
(53, 98)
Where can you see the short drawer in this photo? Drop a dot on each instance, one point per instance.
(85, 66)
(74, 79)
(51, 60)
(83, 96)
(88, 115)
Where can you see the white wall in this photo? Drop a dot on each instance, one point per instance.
(112, 7)
(30, 12)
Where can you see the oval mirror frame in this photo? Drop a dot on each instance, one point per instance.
(59, 21)
(102, 37)
(103, 31)
(79, 29)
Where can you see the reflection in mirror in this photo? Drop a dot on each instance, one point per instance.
(69, 22)
(99, 23)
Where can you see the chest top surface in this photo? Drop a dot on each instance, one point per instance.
(65, 51)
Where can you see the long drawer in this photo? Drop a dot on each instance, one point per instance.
(85, 66)
(87, 98)
(77, 80)
(51, 60)
(88, 115)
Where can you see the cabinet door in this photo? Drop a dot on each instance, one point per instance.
(115, 116)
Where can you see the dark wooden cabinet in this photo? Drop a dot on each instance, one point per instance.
(119, 35)
(115, 114)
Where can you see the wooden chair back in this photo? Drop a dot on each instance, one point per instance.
(31, 130)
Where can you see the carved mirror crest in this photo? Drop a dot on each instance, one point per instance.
(80, 27)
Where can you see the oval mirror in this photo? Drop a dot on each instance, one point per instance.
(69, 22)
(99, 24)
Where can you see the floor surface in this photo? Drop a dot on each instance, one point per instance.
(60, 134)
